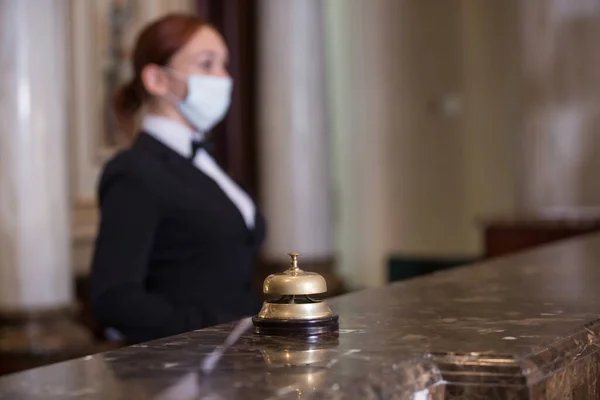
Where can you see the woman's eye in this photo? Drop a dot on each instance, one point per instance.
(206, 65)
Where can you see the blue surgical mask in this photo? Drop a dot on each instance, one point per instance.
(207, 101)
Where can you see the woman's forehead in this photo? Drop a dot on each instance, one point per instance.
(205, 40)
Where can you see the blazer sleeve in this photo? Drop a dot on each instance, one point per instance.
(129, 221)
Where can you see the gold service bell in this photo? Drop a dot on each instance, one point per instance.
(292, 311)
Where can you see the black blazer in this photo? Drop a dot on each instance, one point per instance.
(173, 253)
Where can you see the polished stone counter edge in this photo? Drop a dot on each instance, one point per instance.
(528, 370)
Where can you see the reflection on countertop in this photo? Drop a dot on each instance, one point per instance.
(525, 326)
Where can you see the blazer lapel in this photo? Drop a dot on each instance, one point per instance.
(197, 180)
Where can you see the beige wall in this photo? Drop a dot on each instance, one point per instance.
(492, 131)
(427, 180)
(425, 117)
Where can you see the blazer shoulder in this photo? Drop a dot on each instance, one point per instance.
(133, 166)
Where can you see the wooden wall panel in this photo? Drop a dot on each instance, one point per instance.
(236, 136)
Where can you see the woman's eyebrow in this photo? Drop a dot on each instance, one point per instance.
(210, 53)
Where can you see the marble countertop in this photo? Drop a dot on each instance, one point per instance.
(525, 326)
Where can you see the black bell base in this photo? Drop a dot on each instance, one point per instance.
(296, 328)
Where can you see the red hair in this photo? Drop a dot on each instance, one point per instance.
(156, 44)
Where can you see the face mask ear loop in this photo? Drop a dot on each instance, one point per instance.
(172, 98)
(177, 75)
(174, 73)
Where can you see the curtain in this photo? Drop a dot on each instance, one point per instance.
(236, 136)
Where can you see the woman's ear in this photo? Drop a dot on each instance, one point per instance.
(155, 80)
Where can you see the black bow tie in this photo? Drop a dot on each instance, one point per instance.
(205, 144)
(196, 145)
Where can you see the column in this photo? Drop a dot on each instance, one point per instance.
(35, 270)
(295, 185)
(360, 77)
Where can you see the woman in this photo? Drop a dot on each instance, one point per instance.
(178, 238)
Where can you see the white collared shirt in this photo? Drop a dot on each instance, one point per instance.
(179, 138)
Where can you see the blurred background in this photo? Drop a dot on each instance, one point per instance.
(383, 139)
